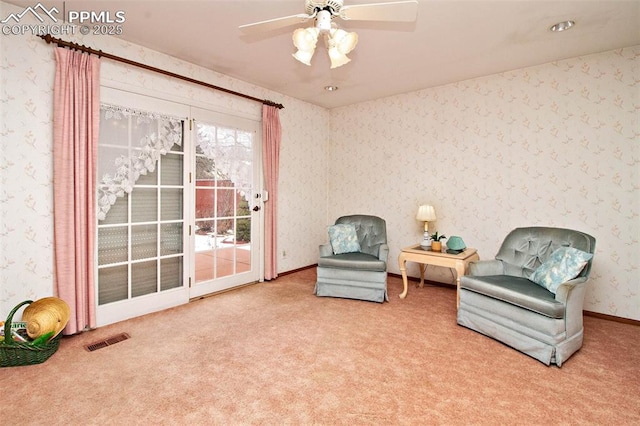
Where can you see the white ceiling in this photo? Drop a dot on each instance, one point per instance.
(452, 40)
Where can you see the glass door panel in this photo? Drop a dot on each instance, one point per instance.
(226, 240)
(141, 208)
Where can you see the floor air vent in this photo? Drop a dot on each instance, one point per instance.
(107, 342)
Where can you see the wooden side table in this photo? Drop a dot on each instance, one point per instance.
(459, 262)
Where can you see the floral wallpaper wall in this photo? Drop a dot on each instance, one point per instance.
(551, 145)
(26, 198)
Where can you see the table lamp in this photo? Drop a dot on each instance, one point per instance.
(426, 214)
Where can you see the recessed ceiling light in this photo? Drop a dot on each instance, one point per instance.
(561, 26)
(330, 88)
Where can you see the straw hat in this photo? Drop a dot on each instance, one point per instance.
(46, 315)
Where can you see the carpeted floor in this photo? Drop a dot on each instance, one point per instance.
(275, 354)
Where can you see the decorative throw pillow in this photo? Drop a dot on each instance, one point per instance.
(563, 265)
(343, 238)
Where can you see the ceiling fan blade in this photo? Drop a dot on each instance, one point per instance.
(399, 11)
(274, 24)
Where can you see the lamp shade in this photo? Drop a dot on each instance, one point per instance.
(426, 213)
(304, 56)
(339, 43)
(345, 42)
(305, 39)
(337, 59)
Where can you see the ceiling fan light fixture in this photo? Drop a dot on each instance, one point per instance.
(338, 58)
(345, 42)
(323, 12)
(305, 40)
(304, 57)
(339, 43)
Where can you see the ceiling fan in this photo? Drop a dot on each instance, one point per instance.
(337, 41)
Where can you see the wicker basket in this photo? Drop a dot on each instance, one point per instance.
(13, 353)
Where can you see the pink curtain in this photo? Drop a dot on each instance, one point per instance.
(271, 134)
(76, 114)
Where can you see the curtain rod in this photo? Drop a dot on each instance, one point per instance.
(61, 43)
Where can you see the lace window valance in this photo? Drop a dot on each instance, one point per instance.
(156, 135)
(230, 150)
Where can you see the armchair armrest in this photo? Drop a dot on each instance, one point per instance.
(486, 267)
(572, 295)
(563, 293)
(383, 252)
(325, 250)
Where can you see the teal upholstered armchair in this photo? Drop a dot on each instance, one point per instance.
(354, 264)
(531, 296)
